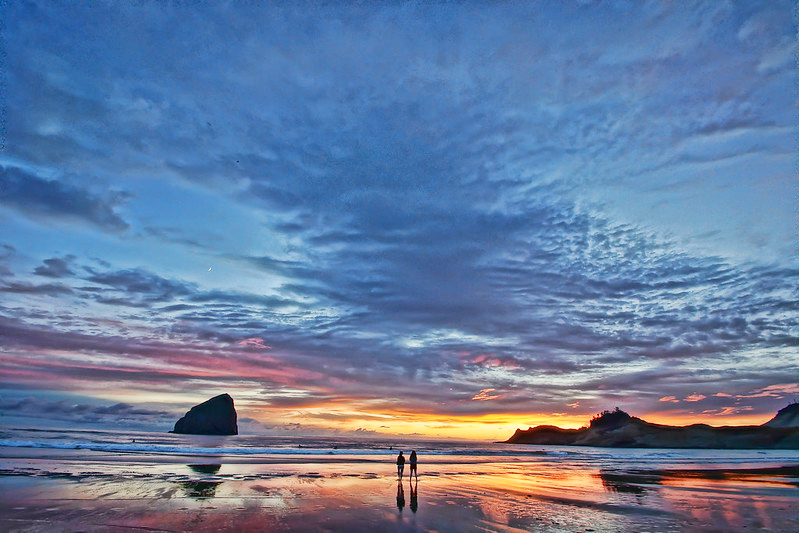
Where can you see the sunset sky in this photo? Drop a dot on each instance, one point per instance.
(444, 219)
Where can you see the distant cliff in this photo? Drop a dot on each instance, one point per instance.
(216, 416)
(620, 430)
(787, 417)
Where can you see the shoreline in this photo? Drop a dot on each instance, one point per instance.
(551, 491)
(82, 454)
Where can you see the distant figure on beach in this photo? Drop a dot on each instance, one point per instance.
(400, 465)
(400, 496)
(413, 466)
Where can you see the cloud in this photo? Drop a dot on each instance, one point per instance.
(140, 284)
(780, 57)
(774, 391)
(44, 289)
(727, 411)
(83, 413)
(7, 252)
(254, 342)
(485, 395)
(694, 398)
(56, 267)
(391, 206)
(41, 198)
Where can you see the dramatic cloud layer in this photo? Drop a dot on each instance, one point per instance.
(402, 218)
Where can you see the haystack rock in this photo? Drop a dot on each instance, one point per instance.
(216, 416)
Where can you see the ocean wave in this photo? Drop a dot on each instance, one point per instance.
(294, 449)
(254, 446)
(186, 450)
(557, 453)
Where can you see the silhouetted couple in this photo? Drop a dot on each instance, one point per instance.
(401, 465)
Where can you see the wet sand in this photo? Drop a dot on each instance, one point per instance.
(74, 492)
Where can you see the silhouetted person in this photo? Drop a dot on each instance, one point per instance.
(400, 465)
(413, 465)
(400, 496)
(414, 495)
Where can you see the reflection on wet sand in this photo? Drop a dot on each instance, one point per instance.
(202, 489)
(631, 481)
(719, 498)
(400, 496)
(206, 469)
(621, 482)
(498, 496)
(783, 475)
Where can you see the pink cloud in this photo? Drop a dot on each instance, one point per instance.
(774, 391)
(670, 399)
(490, 360)
(695, 397)
(726, 411)
(485, 394)
(254, 342)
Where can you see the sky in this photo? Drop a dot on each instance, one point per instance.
(398, 218)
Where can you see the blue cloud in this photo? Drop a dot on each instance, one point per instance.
(55, 267)
(41, 198)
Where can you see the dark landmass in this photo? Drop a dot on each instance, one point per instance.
(618, 429)
(216, 416)
(787, 417)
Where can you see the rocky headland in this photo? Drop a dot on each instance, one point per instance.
(216, 416)
(620, 430)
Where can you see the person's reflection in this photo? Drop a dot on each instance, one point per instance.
(400, 496)
(414, 495)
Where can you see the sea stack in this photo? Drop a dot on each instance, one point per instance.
(216, 416)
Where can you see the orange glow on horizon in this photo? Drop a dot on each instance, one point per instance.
(348, 417)
(364, 417)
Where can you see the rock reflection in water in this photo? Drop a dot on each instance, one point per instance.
(206, 469)
(202, 489)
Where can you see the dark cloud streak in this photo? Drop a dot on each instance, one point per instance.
(36, 197)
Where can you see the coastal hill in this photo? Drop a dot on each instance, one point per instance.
(216, 416)
(787, 417)
(620, 430)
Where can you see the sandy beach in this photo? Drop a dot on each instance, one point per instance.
(83, 490)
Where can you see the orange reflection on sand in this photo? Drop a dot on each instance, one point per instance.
(494, 494)
(524, 479)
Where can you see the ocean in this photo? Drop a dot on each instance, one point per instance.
(95, 480)
(255, 447)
